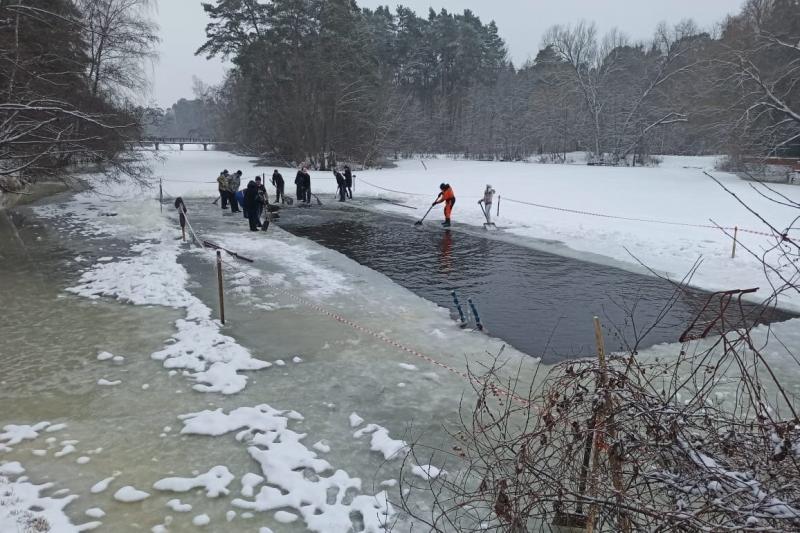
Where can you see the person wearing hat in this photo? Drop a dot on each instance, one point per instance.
(449, 198)
(486, 202)
(222, 185)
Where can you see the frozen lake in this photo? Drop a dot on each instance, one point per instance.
(114, 367)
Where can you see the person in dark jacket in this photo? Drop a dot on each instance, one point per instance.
(307, 186)
(299, 181)
(340, 186)
(277, 181)
(252, 205)
(348, 181)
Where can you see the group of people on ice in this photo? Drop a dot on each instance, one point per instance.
(254, 199)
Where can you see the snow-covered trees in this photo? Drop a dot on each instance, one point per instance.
(50, 113)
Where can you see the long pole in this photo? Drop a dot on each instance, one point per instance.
(219, 283)
(161, 194)
(735, 235)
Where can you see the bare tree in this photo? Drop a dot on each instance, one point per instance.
(121, 39)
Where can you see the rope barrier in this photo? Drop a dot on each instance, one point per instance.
(495, 389)
(634, 219)
(594, 214)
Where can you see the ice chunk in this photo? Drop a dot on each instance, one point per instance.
(285, 518)
(201, 520)
(66, 450)
(102, 486)
(427, 472)
(249, 482)
(14, 434)
(108, 383)
(355, 420)
(11, 469)
(95, 512)
(215, 482)
(179, 507)
(104, 356)
(129, 494)
(407, 366)
(321, 446)
(381, 442)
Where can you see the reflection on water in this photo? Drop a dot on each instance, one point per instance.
(540, 303)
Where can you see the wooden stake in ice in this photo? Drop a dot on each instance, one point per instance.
(219, 283)
(735, 236)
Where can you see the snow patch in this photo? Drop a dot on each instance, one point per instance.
(381, 442)
(128, 494)
(215, 482)
(296, 478)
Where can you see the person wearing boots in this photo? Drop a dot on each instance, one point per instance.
(449, 198)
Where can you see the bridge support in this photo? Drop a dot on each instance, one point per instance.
(205, 147)
(181, 145)
(156, 144)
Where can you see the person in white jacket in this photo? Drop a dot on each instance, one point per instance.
(486, 203)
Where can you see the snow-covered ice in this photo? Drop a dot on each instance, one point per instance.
(296, 478)
(380, 441)
(215, 482)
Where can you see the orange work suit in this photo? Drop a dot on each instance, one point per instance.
(449, 198)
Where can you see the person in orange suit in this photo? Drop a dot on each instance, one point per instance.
(449, 198)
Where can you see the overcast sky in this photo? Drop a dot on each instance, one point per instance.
(521, 24)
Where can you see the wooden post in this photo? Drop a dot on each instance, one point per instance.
(219, 283)
(498, 205)
(604, 423)
(161, 194)
(735, 236)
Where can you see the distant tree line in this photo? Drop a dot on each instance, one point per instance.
(324, 79)
(69, 68)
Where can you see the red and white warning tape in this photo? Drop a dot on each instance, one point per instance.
(495, 389)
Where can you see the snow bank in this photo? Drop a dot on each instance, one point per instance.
(296, 478)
